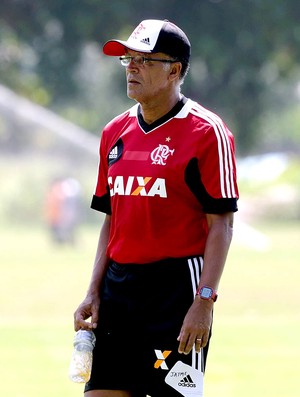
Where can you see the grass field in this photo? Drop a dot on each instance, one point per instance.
(255, 349)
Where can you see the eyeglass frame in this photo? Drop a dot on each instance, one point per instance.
(144, 60)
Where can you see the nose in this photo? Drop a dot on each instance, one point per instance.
(132, 66)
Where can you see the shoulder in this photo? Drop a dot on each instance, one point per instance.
(205, 120)
(122, 119)
(114, 129)
(200, 113)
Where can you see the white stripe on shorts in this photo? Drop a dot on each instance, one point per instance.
(196, 266)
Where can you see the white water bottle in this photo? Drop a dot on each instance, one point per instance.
(82, 356)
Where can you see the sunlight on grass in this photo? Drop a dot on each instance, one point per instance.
(254, 349)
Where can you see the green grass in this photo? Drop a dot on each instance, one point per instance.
(255, 348)
(40, 288)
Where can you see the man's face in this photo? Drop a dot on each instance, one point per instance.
(147, 81)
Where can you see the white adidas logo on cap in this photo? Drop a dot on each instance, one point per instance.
(145, 34)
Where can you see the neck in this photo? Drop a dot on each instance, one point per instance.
(157, 107)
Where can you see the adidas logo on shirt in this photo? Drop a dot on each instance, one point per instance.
(146, 41)
(113, 153)
(187, 381)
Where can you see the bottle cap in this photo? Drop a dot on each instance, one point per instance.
(85, 337)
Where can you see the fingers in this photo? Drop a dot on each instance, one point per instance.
(82, 324)
(201, 341)
(86, 315)
(94, 321)
(188, 341)
(186, 347)
(198, 344)
(185, 344)
(79, 322)
(82, 315)
(205, 338)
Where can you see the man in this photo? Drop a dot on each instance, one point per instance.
(167, 184)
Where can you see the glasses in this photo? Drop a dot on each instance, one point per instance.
(140, 60)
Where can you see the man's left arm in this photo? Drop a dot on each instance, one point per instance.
(197, 323)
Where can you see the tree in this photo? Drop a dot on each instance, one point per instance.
(239, 49)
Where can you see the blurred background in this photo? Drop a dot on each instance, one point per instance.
(57, 91)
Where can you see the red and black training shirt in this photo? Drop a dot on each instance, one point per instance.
(159, 181)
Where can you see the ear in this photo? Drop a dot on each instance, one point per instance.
(175, 70)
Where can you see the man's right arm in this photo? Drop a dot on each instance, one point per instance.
(90, 306)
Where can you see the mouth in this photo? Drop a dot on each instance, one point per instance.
(132, 81)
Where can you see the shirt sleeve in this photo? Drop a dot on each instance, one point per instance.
(212, 175)
(101, 198)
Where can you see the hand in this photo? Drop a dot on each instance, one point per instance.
(87, 309)
(196, 326)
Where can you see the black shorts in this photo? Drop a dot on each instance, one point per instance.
(141, 314)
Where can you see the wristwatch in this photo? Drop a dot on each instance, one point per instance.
(207, 293)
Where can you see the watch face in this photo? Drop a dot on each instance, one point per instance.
(206, 292)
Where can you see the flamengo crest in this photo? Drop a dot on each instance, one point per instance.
(160, 154)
